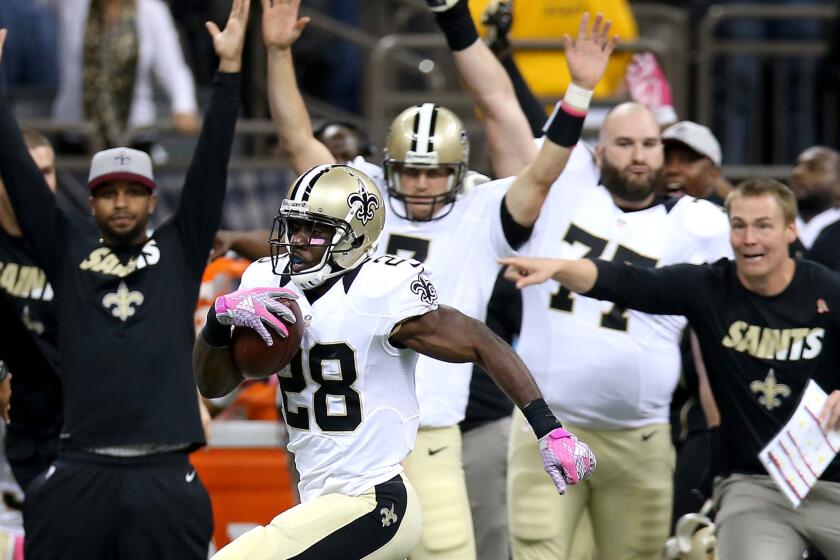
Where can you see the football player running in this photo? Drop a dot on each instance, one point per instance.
(424, 173)
(348, 397)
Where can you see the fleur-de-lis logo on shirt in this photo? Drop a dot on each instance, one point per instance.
(424, 289)
(366, 203)
(388, 516)
(769, 390)
(123, 302)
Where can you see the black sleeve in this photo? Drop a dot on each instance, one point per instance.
(515, 233)
(669, 290)
(18, 347)
(199, 211)
(531, 106)
(42, 223)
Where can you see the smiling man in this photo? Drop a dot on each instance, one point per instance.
(763, 319)
(692, 163)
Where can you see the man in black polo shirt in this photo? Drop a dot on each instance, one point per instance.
(766, 324)
(122, 486)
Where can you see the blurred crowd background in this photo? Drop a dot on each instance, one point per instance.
(764, 76)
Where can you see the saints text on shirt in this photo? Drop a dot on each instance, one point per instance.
(24, 281)
(103, 260)
(780, 344)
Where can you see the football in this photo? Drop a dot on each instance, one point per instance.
(255, 359)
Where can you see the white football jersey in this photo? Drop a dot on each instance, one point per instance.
(348, 397)
(460, 251)
(597, 365)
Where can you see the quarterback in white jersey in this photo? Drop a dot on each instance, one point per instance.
(609, 371)
(348, 395)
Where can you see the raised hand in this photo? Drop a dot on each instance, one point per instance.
(566, 459)
(257, 308)
(3, 33)
(229, 43)
(281, 25)
(588, 54)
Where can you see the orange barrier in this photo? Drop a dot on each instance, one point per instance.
(248, 486)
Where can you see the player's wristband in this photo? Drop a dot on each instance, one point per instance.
(4, 371)
(577, 98)
(214, 333)
(540, 417)
(457, 25)
(564, 125)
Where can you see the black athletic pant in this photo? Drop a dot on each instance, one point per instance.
(88, 506)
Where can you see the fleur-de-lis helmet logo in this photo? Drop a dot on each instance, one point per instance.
(366, 203)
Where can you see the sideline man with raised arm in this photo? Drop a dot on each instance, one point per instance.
(125, 330)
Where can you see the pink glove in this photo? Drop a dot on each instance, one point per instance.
(646, 82)
(256, 307)
(566, 460)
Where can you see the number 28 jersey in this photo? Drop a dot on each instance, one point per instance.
(349, 398)
(600, 366)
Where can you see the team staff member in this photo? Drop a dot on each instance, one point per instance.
(766, 324)
(125, 333)
(31, 441)
(348, 396)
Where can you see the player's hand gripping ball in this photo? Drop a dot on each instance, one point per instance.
(268, 328)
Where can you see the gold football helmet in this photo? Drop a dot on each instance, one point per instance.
(345, 200)
(426, 136)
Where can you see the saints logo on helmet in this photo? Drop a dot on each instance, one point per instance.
(343, 200)
(426, 136)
